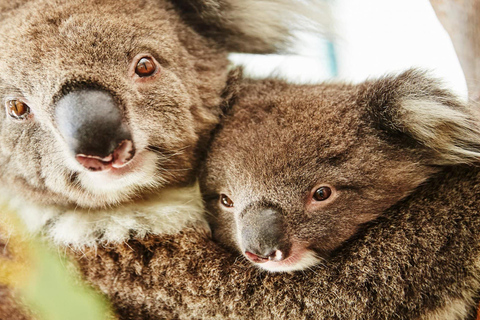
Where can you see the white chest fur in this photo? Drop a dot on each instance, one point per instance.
(171, 211)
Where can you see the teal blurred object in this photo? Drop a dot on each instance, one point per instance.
(332, 59)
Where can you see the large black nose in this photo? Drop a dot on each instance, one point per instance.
(94, 128)
(263, 234)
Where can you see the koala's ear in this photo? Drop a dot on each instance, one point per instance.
(255, 26)
(413, 106)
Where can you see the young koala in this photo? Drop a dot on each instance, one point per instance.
(327, 163)
(368, 182)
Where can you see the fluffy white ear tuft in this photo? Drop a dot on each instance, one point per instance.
(416, 109)
(256, 26)
(453, 133)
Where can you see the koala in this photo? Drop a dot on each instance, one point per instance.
(108, 107)
(393, 234)
(328, 163)
(296, 176)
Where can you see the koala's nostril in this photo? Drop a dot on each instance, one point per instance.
(120, 157)
(276, 255)
(123, 154)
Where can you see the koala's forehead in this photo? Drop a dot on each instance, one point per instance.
(68, 35)
(290, 134)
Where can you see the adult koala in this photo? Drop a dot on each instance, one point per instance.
(108, 105)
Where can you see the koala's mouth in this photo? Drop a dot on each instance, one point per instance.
(114, 185)
(300, 258)
(119, 158)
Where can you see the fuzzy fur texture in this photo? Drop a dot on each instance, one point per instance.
(418, 260)
(400, 266)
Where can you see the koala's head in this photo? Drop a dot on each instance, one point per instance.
(108, 100)
(296, 170)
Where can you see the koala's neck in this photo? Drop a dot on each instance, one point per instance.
(171, 211)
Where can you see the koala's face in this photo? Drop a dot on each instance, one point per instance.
(102, 101)
(296, 170)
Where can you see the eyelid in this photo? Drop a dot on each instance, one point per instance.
(144, 51)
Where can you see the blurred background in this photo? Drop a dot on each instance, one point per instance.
(369, 38)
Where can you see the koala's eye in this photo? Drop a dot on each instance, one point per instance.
(145, 67)
(322, 194)
(17, 109)
(226, 201)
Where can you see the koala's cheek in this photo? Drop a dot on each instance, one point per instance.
(323, 232)
(225, 230)
(164, 113)
(20, 158)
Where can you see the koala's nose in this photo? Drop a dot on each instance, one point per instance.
(263, 235)
(94, 128)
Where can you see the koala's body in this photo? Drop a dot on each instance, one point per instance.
(410, 251)
(367, 184)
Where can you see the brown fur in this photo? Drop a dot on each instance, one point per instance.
(419, 260)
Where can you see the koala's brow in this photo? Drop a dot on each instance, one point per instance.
(146, 49)
(10, 90)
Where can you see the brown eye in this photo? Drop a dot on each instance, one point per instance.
(145, 67)
(17, 109)
(322, 193)
(226, 201)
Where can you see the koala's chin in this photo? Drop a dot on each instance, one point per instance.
(113, 186)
